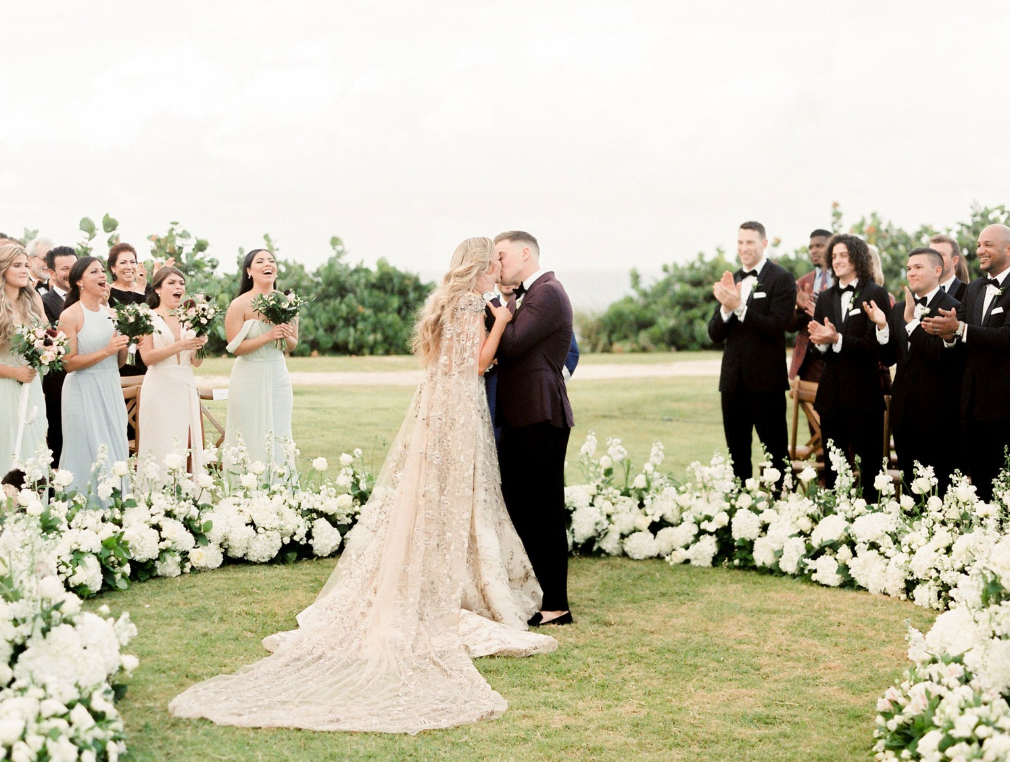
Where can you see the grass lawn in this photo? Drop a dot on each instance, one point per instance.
(662, 663)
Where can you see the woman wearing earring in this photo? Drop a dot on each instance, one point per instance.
(93, 411)
(259, 393)
(20, 305)
(128, 287)
(169, 403)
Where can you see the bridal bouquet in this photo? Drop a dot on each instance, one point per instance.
(42, 348)
(134, 320)
(278, 308)
(199, 315)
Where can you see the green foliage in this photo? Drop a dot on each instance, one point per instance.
(673, 313)
(87, 226)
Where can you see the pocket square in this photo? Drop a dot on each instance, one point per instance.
(996, 311)
(760, 295)
(854, 312)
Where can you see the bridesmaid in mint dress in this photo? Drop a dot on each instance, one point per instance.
(259, 393)
(20, 305)
(94, 413)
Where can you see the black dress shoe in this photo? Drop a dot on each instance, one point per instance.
(535, 620)
(565, 618)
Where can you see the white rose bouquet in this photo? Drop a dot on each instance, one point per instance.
(199, 315)
(42, 348)
(134, 320)
(278, 307)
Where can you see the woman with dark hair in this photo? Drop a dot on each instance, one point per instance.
(259, 393)
(169, 403)
(93, 411)
(20, 305)
(128, 287)
(849, 397)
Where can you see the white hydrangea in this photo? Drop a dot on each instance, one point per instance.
(746, 525)
(831, 528)
(641, 545)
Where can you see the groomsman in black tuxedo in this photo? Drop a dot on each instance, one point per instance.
(980, 330)
(927, 377)
(849, 399)
(951, 254)
(59, 260)
(536, 417)
(755, 306)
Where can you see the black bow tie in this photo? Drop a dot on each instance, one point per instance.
(850, 287)
(994, 282)
(920, 300)
(519, 290)
(746, 273)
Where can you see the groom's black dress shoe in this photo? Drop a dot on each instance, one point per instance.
(537, 620)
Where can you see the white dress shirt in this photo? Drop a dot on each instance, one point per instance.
(991, 292)
(527, 283)
(846, 301)
(746, 286)
(884, 334)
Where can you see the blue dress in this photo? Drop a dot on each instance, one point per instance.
(94, 413)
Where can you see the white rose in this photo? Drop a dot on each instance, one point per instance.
(120, 469)
(744, 501)
(249, 481)
(640, 482)
(907, 503)
(174, 461)
(771, 475)
(62, 478)
(807, 475)
(605, 462)
(257, 467)
(320, 464)
(104, 490)
(204, 481)
(345, 459)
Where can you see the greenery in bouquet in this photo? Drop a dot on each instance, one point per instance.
(278, 307)
(41, 347)
(134, 321)
(200, 315)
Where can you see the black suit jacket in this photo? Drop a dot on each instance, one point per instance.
(957, 289)
(531, 354)
(850, 382)
(986, 389)
(927, 378)
(53, 304)
(754, 359)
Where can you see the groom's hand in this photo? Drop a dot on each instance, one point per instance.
(500, 311)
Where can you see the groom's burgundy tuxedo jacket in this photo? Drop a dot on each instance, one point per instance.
(531, 354)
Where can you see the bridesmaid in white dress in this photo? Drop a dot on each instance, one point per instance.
(93, 410)
(20, 304)
(259, 393)
(169, 402)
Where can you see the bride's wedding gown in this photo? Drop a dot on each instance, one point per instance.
(432, 575)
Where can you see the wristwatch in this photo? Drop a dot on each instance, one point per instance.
(488, 296)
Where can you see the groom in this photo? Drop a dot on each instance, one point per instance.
(536, 417)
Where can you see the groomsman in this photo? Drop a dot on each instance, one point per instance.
(536, 417)
(951, 254)
(980, 329)
(37, 250)
(849, 399)
(927, 376)
(808, 365)
(755, 305)
(59, 260)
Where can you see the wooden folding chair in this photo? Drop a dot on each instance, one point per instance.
(131, 396)
(208, 394)
(803, 394)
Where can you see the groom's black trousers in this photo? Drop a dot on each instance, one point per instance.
(533, 485)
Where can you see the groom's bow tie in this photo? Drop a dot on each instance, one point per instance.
(850, 287)
(519, 291)
(920, 300)
(741, 274)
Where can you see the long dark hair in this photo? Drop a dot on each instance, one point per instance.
(153, 300)
(76, 273)
(247, 282)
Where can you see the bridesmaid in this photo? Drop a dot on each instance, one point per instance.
(169, 402)
(20, 304)
(93, 410)
(259, 393)
(129, 286)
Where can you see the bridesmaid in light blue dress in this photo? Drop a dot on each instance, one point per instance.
(20, 305)
(259, 393)
(94, 413)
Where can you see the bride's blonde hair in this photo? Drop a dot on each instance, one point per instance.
(471, 259)
(25, 298)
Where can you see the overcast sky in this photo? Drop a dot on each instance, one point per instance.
(620, 133)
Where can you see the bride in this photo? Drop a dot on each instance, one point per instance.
(433, 573)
